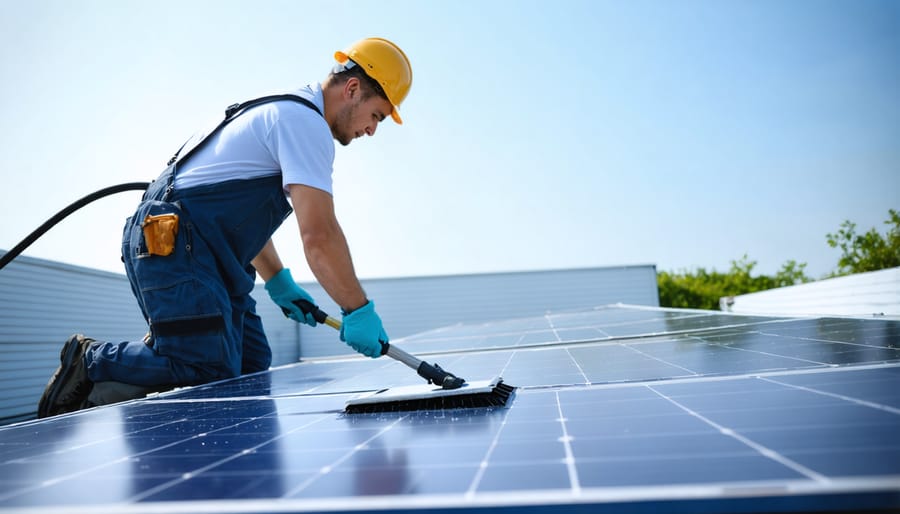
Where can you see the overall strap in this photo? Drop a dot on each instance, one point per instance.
(232, 112)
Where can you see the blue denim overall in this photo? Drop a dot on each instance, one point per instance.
(196, 300)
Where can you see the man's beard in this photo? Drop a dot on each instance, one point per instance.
(342, 122)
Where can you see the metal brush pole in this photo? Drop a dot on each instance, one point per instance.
(392, 351)
(430, 372)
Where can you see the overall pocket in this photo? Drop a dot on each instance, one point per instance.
(184, 307)
(187, 323)
(161, 254)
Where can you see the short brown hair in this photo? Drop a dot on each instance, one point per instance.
(342, 73)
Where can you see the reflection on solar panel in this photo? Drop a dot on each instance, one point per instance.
(619, 410)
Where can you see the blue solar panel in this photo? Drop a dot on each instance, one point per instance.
(618, 410)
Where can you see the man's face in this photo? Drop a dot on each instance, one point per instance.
(357, 117)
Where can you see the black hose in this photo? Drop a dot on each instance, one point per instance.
(59, 216)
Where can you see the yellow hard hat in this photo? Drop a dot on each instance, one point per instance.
(384, 62)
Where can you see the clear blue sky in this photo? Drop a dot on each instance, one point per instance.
(537, 134)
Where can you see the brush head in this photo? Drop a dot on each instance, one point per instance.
(452, 382)
(486, 393)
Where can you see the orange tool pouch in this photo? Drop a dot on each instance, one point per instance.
(159, 233)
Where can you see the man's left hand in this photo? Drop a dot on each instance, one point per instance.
(284, 292)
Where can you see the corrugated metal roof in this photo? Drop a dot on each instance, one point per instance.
(41, 304)
(863, 294)
(417, 304)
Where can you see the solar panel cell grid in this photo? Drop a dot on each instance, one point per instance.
(618, 409)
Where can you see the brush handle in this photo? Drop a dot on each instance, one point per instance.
(433, 373)
(386, 348)
(397, 354)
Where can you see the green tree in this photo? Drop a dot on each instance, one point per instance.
(701, 289)
(867, 252)
(791, 273)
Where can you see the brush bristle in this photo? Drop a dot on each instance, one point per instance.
(496, 397)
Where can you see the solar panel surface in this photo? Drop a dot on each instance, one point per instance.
(619, 409)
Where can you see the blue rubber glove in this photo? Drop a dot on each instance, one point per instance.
(284, 291)
(362, 330)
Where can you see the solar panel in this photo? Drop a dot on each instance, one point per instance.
(619, 409)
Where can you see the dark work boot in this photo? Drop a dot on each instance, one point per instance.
(70, 386)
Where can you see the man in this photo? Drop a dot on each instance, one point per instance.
(203, 231)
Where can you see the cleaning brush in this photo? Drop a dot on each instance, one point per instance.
(452, 393)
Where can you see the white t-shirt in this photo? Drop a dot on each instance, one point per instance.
(283, 137)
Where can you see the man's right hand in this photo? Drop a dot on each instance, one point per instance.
(362, 330)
